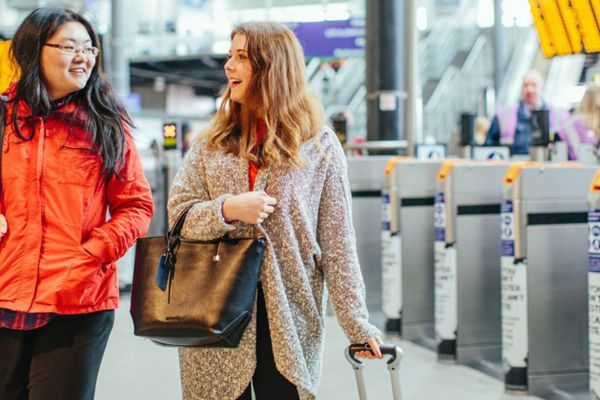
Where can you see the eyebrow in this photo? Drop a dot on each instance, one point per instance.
(75, 40)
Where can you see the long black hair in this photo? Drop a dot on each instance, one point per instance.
(105, 114)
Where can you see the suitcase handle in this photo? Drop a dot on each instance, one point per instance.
(392, 350)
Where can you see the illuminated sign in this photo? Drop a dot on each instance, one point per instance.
(170, 135)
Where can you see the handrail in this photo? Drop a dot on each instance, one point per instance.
(312, 67)
(474, 55)
(442, 88)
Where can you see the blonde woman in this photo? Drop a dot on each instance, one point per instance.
(583, 127)
(268, 162)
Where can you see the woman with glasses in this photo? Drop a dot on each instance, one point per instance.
(68, 158)
(268, 162)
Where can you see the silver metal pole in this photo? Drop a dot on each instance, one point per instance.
(412, 136)
(499, 46)
(119, 61)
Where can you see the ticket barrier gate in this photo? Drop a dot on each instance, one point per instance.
(407, 256)
(364, 173)
(594, 286)
(467, 264)
(544, 280)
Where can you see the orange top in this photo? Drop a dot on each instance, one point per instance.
(261, 127)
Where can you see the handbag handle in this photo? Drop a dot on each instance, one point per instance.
(173, 236)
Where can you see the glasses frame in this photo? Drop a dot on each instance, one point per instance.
(82, 50)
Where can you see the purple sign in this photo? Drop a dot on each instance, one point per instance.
(331, 38)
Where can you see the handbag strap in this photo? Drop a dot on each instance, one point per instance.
(173, 236)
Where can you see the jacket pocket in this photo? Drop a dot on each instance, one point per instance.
(83, 278)
(79, 165)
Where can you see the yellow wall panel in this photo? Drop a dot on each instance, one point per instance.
(8, 70)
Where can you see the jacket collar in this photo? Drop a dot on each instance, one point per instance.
(63, 106)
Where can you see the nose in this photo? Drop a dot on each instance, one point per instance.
(229, 65)
(79, 56)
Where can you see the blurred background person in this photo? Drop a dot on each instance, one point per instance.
(512, 125)
(583, 127)
(482, 125)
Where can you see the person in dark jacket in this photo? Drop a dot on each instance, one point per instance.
(68, 158)
(512, 125)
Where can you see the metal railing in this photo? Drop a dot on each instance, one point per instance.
(458, 91)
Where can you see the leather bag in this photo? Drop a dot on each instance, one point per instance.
(194, 293)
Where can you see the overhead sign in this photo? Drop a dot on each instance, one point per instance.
(331, 38)
(567, 27)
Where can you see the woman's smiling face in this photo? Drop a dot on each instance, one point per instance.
(63, 73)
(238, 69)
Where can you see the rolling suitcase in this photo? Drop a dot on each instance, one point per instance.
(392, 365)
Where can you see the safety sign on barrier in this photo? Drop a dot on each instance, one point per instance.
(390, 263)
(445, 261)
(594, 300)
(439, 218)
(445, 291)
(513, 275)
(514, 312)
(508, 228)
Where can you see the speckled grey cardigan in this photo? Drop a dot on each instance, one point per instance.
(310, 241)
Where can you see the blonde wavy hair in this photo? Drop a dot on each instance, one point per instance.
(292, 113)
(589, 108)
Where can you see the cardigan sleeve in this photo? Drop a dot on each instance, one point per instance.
(339, 259)
(205, 219)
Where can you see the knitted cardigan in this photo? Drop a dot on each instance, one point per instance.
(311, 249)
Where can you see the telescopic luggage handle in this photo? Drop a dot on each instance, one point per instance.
(393, 362)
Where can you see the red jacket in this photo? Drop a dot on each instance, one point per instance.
(60, 250)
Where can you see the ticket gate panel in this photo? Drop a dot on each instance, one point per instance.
(417, 273)
(478, 280)
(366, 216)
(546, 347)
(473, 196)
(557, 309)
(478, 290)
(415, 182)
(365, 175)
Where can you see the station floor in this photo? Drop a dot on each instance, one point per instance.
(136, 369)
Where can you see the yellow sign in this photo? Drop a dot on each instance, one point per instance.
(567, 26)
(8, 70)
(169, 135)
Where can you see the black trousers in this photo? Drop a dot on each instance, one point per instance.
(59, 361)
(267, 382)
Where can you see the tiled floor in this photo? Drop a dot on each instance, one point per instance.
(136, 369)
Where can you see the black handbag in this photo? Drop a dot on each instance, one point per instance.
(194, 293)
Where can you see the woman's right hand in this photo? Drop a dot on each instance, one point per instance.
(3, 226)
(249, 207)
